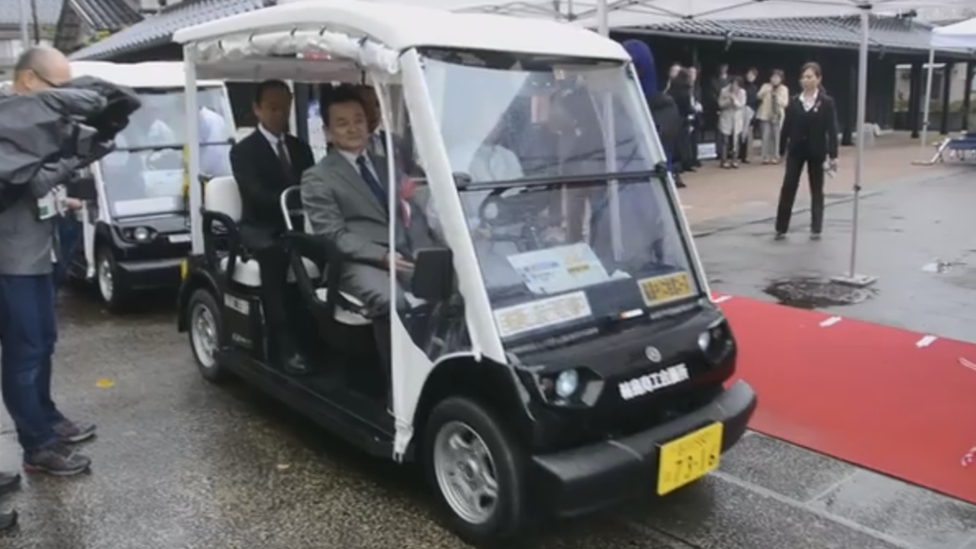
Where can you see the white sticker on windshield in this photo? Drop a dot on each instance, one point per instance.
(559, 269)
(542, 313)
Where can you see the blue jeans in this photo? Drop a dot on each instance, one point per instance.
(28, 332)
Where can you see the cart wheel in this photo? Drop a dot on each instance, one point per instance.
(477, 472)
(205, 328)
(110, 287)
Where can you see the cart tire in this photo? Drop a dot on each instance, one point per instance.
(111, 290)
(204, 328)
(472, 427)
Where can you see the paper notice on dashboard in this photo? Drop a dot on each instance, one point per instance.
(543, 313)
(559, 269)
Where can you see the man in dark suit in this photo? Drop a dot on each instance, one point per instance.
(266, 163)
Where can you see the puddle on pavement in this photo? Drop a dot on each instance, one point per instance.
(941, 267)
(813, 293)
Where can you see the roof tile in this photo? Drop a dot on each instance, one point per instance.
(159, 28)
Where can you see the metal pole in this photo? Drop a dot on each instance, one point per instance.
(37, 24)
(193, 148)
(852, 277)
(24, 16)
(928, 100)
(602, 18)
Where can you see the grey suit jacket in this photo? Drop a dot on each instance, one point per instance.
(340, 206)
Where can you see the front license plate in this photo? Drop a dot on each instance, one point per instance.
(689, 458)
(661, 289)
(179, 238)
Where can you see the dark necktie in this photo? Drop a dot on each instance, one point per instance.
(283, 156)
(371, 181)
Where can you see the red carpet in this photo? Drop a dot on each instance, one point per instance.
(883, 398)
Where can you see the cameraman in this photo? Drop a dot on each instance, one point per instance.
(28, 329)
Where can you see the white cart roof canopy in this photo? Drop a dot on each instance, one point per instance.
(324, 27)
(957, 35)
(155, 74)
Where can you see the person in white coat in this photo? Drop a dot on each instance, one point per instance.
(731, 104)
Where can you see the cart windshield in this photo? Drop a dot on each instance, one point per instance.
(145, 174)
(555, 168)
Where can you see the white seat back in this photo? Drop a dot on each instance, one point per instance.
(222, 195)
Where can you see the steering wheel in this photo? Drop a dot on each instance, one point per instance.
(514, 218)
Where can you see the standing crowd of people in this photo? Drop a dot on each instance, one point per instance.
(802, 129)
(736, 106)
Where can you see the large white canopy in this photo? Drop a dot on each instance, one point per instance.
(399, 27)
(638, 13)
(958, 35)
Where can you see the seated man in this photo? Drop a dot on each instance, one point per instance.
(345, 199)
(266, 163)
(377, 134)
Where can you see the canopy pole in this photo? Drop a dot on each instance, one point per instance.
(928, 100)
(603, 18)
(24, 16)
(193, 149)
(852, 278)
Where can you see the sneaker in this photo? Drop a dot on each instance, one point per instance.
(56, 459)
(814, 236)
(9, 482)
(74, 431)
(780, 236)
(8, 520)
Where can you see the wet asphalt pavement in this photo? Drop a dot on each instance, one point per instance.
(182, 464)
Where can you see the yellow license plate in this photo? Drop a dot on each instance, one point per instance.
(689, 458)
(661, 289)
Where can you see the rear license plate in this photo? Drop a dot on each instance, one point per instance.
(689, 458)
(662, 289)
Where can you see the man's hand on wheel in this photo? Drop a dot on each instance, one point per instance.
(401, 263)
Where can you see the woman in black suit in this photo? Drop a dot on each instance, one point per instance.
(809, 136)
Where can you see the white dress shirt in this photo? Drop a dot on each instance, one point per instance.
(809, 101)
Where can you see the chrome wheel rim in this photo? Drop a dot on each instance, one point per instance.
(106, 284)
(465, 471)
(203, 329)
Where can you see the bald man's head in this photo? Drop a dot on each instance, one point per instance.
(39, 68)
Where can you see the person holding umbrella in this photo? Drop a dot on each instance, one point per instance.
(808, 137)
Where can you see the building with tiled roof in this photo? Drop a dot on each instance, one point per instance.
(66, 24)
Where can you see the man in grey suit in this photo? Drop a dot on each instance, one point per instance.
(28, 327)
(345, 200)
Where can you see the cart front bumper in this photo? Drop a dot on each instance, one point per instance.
(150, 274)
(582, 480)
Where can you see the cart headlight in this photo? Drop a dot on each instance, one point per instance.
(139, 234)
(567, 383)
(704, 340)
(578, 387)
(716, 341)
